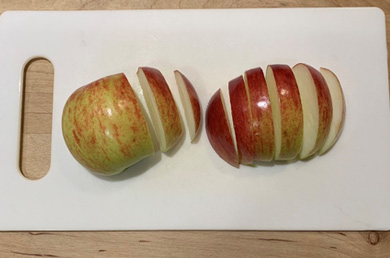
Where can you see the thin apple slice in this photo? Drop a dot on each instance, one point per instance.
(190, 102)
(338, 103)
(317, 108)
(286, 111)
(261, 113)
(218, 130)
(242, 121)
(162, 107)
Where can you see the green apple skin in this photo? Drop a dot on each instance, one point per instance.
(104, 128)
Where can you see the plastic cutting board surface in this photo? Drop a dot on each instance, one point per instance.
(346, 189)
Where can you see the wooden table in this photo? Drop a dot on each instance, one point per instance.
(37, 132)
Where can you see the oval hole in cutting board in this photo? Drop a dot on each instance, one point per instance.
(37, 106)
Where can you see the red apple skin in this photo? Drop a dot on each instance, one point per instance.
(195, 103)
(218, 130)
(104, 127)
(291, 111)
(262, 121)
(242, 121)
(166, 105)
(324, 106)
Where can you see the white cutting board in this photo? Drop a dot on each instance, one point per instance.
(346, 189)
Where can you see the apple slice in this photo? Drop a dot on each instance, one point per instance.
(338, 104)
(242, 121)
(190, 101)
(218, 130)
(162, 107)
(286, 111)
(261, 113)
(317, 108)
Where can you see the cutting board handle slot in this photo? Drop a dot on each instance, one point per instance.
(36, 127)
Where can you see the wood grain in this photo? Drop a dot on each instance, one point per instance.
(37, 118)
(194, 244)
(36, 132)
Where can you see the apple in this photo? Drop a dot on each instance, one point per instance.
(104, 127)
(287, 115)
(261, 113)
(286, 111)
(162, 107)
(218, 130)
(338, 104)
(191, 104)
(242, 121)
(317, 108)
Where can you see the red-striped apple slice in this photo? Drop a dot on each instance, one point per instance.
(317, 108)
(190, 102)
(218, 130)
(286, 111)
(162, 107)
(261, 113)
(242, 121)
(338, 103)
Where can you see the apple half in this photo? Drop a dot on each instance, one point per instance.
(338, 104)
(261, 114)
(191, 105)
(286, 111)
(162, 107)
(103, 126)
(317, 108)
(242, 121)
(219, 131)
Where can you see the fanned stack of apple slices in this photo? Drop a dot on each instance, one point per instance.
(162, 107)
(287, 114)
(104, 126)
